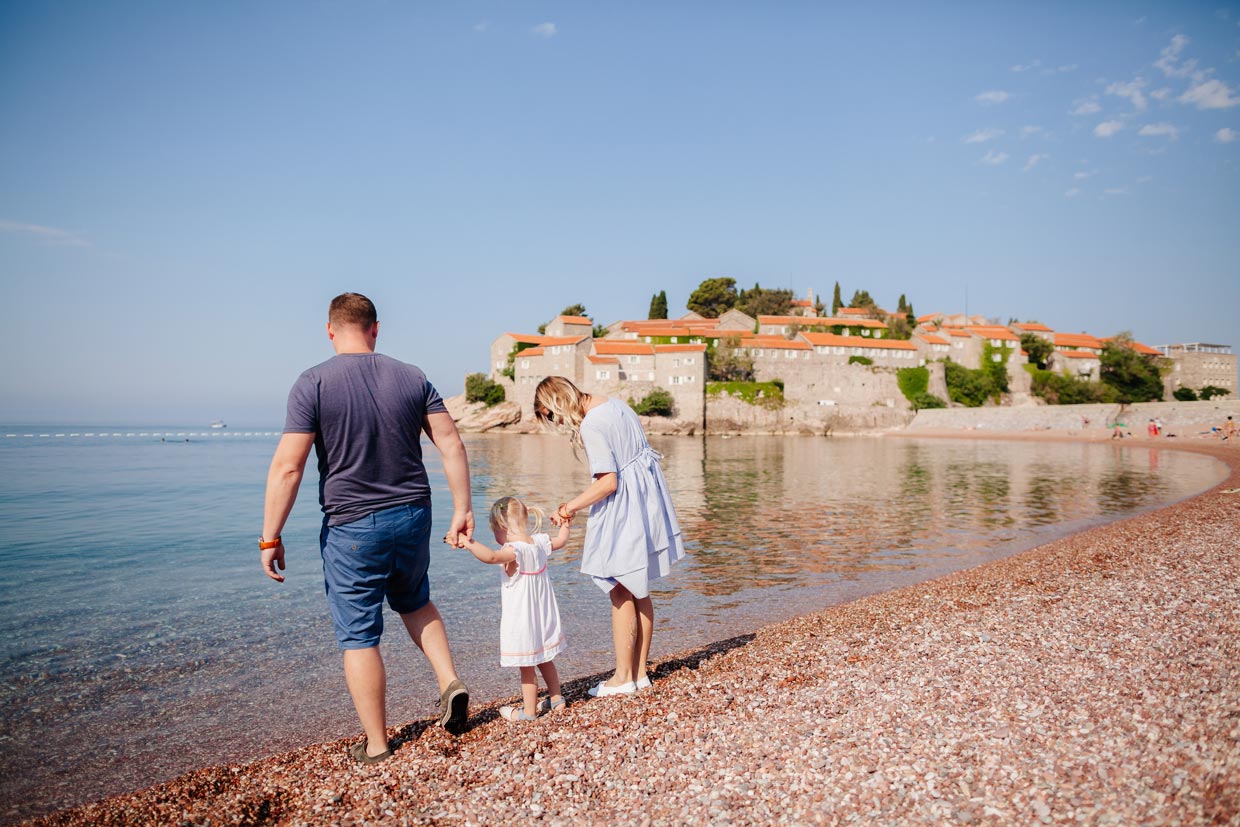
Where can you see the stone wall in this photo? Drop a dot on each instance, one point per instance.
(1182, 419)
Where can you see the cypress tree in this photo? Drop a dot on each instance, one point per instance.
(836, 301)
(658, 305)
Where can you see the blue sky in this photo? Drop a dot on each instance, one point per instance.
(184, 186)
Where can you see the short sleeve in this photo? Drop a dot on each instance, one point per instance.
(598, 450)
(434, 402)
(302, 415)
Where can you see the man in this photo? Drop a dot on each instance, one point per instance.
(364, 413)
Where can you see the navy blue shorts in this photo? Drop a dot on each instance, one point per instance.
(384, 554)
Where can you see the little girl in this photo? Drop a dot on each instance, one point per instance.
(529, 630)
(632, 536)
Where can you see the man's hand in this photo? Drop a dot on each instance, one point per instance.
(461, 529)
(273, 557)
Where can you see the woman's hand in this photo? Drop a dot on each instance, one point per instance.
(563, 515)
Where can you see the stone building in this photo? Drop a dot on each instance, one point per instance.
(1197, 364)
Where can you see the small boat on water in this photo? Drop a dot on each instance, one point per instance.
(219, 423)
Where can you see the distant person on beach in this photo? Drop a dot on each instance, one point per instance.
(1229, 430)
(364, 413)
(633, 536)
(529, 629)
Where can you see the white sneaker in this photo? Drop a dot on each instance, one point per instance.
(603, 690)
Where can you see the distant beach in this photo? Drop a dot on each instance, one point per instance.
(1093, 678)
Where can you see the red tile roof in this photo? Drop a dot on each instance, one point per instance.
(685, 348)
(615, 347)
(527, 338)
(532, 351)
(932, 339)
(832, 322)
(1077, 340)
(1032, 326)
(603, 360)
(575, 320)
(775, 343)
(835, 340)
(993, 332)
(1077, 354)
(664, 331)
(930, 317)
(957, 332)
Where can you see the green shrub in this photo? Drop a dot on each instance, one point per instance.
(1185, 394)
(1061, 389)
(968, 387)
(656, 403)
(860, 360)
(997, 371)
(1210, 391)
(914, 384)
(763, 394)
(478, 388)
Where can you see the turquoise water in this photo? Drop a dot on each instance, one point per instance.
(136, 625)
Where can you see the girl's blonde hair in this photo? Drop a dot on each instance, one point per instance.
(509, 512)
(559, 404)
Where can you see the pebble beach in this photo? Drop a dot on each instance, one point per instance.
(1093, 680)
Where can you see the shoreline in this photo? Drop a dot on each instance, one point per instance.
(1012, 692)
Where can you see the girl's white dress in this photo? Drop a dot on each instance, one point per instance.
(529, 626)
(632, 536)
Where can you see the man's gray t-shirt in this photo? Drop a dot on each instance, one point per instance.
(367, 411)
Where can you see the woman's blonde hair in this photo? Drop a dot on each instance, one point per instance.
(559, 404)
(509, 512)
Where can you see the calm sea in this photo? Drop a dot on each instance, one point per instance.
(139, 636)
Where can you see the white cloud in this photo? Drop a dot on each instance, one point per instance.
(547, 30)
(1073, 193)
(994, 158)
(482, 25)
(1067, 67)
(982, 135)
(1086, 107)
(1033, 161)
(1028, 67)
(991, 97)
(1029, 131)
(1169, 58)
(1081, 176)
(49, 235)
(1154, 130)
(1131, 91)
(1160, 94)
(1226, 136)
(1108, 128)
(1210, 94)
(1116, 191)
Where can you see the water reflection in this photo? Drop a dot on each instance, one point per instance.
(771, 512)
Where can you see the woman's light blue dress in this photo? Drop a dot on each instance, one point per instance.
(632, 536)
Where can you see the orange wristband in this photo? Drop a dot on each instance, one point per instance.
(263, 545)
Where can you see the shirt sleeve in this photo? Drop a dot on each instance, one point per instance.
(598, 450)
(302, 416)
(434, 402)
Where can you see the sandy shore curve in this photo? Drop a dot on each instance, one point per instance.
(1092, 680)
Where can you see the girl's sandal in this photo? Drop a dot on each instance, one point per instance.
(547, 705)
(515, 714)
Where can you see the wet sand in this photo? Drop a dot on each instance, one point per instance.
(1092, 680)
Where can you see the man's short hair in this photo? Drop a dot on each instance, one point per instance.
(352, 309)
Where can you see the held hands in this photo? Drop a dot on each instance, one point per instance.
(563, 515)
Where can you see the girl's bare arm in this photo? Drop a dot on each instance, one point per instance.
(505, 554)
(560, 540)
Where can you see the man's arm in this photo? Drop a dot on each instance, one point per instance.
(442, 431)
(283, 479)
